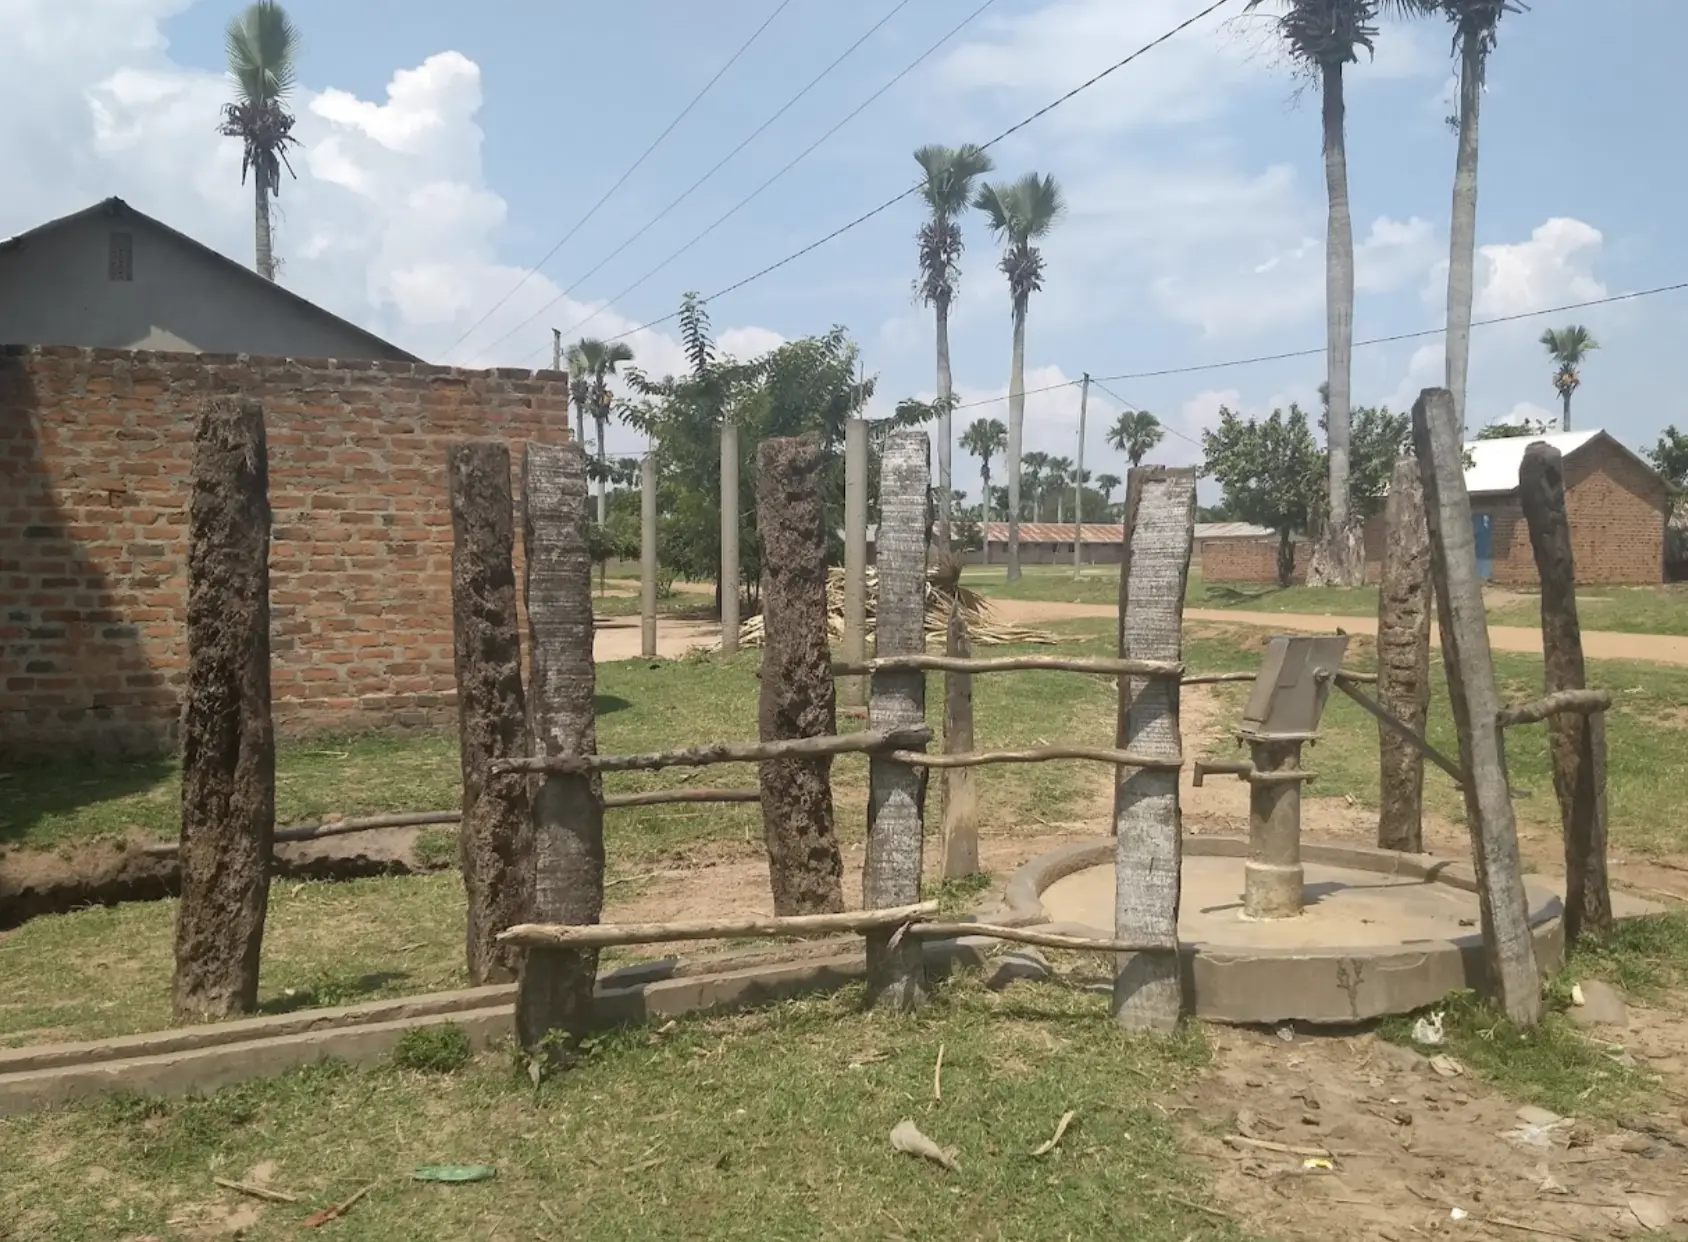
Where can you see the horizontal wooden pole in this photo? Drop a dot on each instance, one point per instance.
(603, 935)
(724, 752)
(663, 797)
(1037, 754)
(336, 828)
(1559, 703)
(1007, 664)
(1027, 935)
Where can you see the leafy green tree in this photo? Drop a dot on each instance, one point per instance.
(1269, 471)
(947, 189)
(1020, 213)
(1323, 37)
(1134, 433)
(1568, 347)
(1509, 431)
(261, 44)
(1670, 456)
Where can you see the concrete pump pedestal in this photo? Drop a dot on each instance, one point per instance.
(1380, 933)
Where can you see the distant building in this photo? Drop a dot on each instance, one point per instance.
(113, 277)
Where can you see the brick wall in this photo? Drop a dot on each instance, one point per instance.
(1617, 511)
(95, 450)
(1247, 560)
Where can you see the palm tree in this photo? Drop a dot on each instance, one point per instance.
(1033, 467)
(950, 174)
(1108, 484)
(1020, 213)
(1059, 475)
(597, 360)
(1134, 433)
(1475, 23)
(580, 391)
(984, 439)
(1568, 347)
(1323, 36)
(261, 44)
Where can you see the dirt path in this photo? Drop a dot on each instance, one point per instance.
(1597, 645)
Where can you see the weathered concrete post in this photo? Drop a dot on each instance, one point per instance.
(855, 555)
(1160, 515)
(554, 998)
(495, 837)
(797, 692)
(1509, 950)
(1578, 741)
(729, 536)
(228, 742)
(1272, 874)
(1403, 660)
(647, 555)
(896, 791)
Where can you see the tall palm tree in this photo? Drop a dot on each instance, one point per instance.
(1134, 433)
(950, 174)
(1324, 36)
(580, 392)
(1475, 23)
(1020, 213)
(984, 439)
(1568, 347)
(1108, 484)
(597, 360)
(1059, 475)
(261, 44)
(1034, 466)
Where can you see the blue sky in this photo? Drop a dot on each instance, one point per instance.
(449, 147)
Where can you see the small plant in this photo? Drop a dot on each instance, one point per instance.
(441, 1049)
(436, 847)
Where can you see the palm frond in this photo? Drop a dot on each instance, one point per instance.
(950, 174)
(261, 44)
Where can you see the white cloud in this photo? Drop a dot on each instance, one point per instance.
(1550, 269)
(390, 222)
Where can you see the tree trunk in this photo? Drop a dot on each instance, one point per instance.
(985, 506)
(1403, 660)
(495, 839)
(554, 998)
(797, 694)
(1578, 742)
(946, 479)
(1016, 426)
(261, 226)
(1286, 556)
(961, 802)
(228, 744)
(1462, 230)
(1509, 951)
(897, 791)
(603, 478)
(1335, 562)
(729, 588)
(1160, 515)
(1565, 423)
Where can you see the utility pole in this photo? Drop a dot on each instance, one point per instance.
(556, 349)
(1078, 480)
(729, 534)
(647, 554)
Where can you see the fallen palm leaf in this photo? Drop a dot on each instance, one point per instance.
(907, 1138)
(1060, 1131)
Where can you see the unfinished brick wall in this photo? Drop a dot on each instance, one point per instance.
(1617, 511)
(1248, 560)
(94, 474)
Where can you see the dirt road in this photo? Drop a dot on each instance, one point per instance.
(1597, 645)
(617, 638)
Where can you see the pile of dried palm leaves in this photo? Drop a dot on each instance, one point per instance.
(982, 628)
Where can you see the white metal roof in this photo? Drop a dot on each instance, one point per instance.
(1495, 463)
(1233, 530)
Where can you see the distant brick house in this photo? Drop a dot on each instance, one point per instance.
(1616, 502)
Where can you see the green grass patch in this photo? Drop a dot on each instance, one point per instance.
(1646, 958)
(1624, 610)
(441, 1049)
(768, 1125)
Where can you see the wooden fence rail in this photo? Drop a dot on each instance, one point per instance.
(1041, 754)
(869, 741)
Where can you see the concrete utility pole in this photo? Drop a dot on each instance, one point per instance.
(729, 536)
(1078, 481)
(855, 555)
(556, 349)
(647, 555)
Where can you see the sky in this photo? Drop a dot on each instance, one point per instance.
(451, 153)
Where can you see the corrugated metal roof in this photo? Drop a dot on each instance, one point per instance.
(1056, 532)
(1233, 530)
(1495, 463)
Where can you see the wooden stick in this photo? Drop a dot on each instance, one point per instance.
(1561, 702)
(1283, 1149)
(1007, 664)
(1213, 679)
(602, 935)
(661, 797)
(1027, 935)
(317, 1219)
(938, 1075)
(257, 1192)
(1344, 683)
(865, 742)
(1039, 754)
(313, 832)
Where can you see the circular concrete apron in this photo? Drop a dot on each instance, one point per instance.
(1382, 933)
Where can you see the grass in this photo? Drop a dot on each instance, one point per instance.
(767, 1125)
(1628, 610)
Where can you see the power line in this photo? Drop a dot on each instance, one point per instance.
(721, 163)
(801, 155)
(1132, 405)
(916, 188)
(634, 167)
